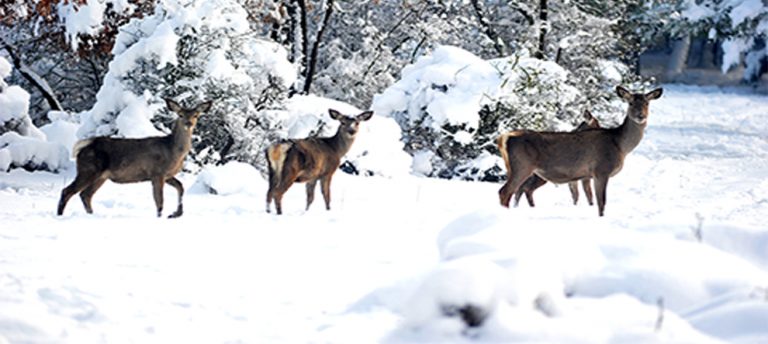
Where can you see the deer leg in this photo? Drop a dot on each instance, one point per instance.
(87, 194)
(311, 191)
(271, 190)
(532, 183)
(280, 188)
(81, 182)
(601, 183)
(585, 184)
(513, 183)
(574, 187)
(529, 198)
(180, 190)
(325, 187)
(157, 192)
(518, 194)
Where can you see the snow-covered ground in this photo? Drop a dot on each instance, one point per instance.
(394, 255)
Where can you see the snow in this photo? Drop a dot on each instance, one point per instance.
(14, 103)
(745, 10)
(5, 69)
(25, 145)
(220, 68)
(732, 49)
(23, 150)
(231, 178)
(273, 57)
(61, 132)
(451, 84)
(693, 12)
(86, 18)
(396, 257)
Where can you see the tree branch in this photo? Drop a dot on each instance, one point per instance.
(33, 78)
(498, 44)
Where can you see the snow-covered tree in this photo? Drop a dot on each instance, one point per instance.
(60, 49)
(451, 105)
(194, 51)
(743, 26)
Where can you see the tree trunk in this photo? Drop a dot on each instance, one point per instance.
(540, 53)
(677, 61)
(312, 61)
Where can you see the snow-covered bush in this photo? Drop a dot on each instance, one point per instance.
(22, 144)
(194, 51)
(452, 105)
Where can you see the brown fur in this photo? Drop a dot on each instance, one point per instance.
(309, 160)
(155, 159)
(568, 157)
(534, 182)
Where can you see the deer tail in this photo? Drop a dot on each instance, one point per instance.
(80, 145)
(276, 154)
(501, 142)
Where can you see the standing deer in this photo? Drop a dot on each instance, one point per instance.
(155, 159)
(309, 160)
(534, 182)
(571, 156)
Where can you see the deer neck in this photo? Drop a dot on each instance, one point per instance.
(629, 134)
(341, 142)
(181, 138)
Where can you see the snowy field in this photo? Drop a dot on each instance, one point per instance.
(681, 255)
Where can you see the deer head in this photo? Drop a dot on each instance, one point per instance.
(638, 103)
(187, 117)
(349, 125)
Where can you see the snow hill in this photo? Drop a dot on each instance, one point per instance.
(680, 257)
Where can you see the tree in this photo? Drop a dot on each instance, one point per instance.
(740, 23)
(59, 53)
(191, 53)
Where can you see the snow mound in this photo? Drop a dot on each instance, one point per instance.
(526, 279)
(31, 153)
(229, 179)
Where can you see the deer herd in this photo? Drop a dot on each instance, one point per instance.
(589, 153)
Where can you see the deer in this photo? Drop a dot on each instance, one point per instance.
(534, 182)
(127, 160)
(310, 159)
(562, 157)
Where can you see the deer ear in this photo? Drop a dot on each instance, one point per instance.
(172, 105)
(365, 116)
(335, 114)
(204, 107)
(623, 93)
(588, 115)
(655, 94)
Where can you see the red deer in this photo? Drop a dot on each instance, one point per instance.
(571, 156)
(534, 182)
(309, 160)
(121, 160)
